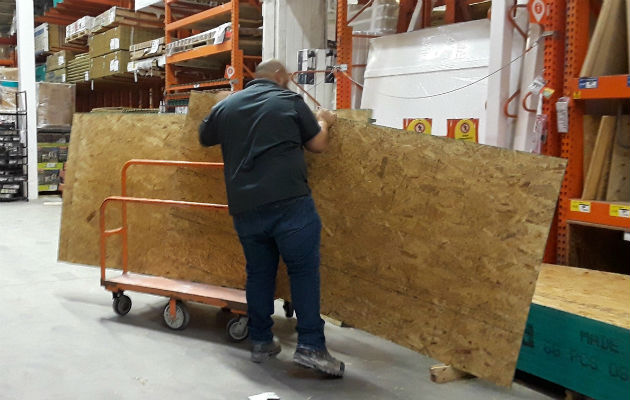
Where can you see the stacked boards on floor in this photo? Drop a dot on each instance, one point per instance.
(432, 243)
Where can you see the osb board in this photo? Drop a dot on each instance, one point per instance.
(602, 296)
(619, 178)
(429, 242)
(599, 159)
(607, 52)
(590, 127)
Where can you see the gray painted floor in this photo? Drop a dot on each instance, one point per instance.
(60, 339)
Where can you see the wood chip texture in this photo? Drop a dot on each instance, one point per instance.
(429, 242)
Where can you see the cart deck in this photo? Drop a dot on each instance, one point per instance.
(217, 296)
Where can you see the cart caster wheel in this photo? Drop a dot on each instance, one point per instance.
(289, 311)
(122, 304)
(237, 329)
(182, 316)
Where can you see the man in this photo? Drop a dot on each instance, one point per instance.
(262, 131)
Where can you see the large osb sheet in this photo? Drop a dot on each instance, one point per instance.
(429, 242)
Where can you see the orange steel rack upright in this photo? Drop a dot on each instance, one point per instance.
(194, 20)
(175, 313)
(571, 209)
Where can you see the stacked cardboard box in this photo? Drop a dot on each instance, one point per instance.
(56, 66)
(109, 51)
(121, 16)
(77, 31)
(49, 37)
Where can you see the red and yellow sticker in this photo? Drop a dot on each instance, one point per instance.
(418, 125)
(464, 129)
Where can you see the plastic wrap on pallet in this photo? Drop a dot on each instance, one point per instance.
(146, 66)
(8, 96)
(55, 105)
(8, 74)
(216, 35)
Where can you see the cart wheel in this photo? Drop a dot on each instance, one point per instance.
(237, 329)
(289, 311)
(122, 304)
(182, 316)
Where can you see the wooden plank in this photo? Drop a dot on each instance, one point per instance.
(619, 179)
(601, 152)
(429, 242)
(608, 49)
(601, 296)
(578, 331)
(590, 126)
(447, 373)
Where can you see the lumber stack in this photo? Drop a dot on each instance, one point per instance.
(429, 242)
(607, 138)
(78, 69)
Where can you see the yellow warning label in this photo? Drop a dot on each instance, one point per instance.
(580, 206)
(418, 125)
(619, 210)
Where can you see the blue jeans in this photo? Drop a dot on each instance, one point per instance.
(291, 229)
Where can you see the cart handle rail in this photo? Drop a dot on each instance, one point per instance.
(124, 199)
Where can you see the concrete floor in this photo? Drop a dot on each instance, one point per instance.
(61, 340)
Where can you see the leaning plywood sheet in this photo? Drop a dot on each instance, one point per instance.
(619, 179)
(429, 242)
(608, 49)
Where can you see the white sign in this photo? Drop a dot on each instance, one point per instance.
(113, 65)
(114, 44)
(155, 45)
(538, 10)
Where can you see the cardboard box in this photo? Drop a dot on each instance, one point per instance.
(109, 64)
(58, 60)
(57, 76)
(55, 105)
(49, 37)
(120, 38)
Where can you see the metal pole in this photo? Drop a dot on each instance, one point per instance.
(26, 63)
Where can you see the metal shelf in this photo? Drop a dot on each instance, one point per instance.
(208, 18)
(200, 85)
(229, 53)
(201, 51)
(614, 215)
(603, 87)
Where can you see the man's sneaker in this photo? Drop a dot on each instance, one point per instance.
(319, 360)
(262, 351)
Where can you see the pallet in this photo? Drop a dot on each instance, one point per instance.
(208, 38)
(78, 39)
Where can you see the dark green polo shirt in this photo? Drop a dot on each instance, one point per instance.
(262, 130)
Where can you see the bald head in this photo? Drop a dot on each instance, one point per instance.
(273, 70)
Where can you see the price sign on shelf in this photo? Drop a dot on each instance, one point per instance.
(619, 210)
(581, 206)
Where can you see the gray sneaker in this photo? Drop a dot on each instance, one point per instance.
(262, 351)
(320, 360)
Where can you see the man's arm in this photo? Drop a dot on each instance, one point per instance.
(208, 132)
(326, 119)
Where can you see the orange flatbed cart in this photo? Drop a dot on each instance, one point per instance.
(175, 314)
